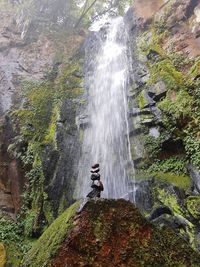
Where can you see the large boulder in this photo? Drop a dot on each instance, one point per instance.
(108, 233)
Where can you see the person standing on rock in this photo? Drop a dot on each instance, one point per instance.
(97, 186)
(96, 183)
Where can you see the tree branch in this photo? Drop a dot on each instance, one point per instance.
(85, 11)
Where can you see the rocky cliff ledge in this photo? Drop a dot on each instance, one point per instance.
(108, 233)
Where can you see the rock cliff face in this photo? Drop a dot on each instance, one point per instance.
(31, 53)
(42, 117)
(164, 129)
(19, 60)
(108, 233)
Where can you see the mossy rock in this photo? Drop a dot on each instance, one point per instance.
(143, 100)
(48, 244)
(168, 198)
(109, 233)
(166, 72)
(182, 181)
(193, 206)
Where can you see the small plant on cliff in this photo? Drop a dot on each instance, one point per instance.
(192, 147)
(9, 231)
(177, 104)
(173, 164)
(153, 146)
(180, 61)
(11, 234)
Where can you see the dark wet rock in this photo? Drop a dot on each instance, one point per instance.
(177, 193)
(144, 100)
(131, 20)
(135, 132)
(174, 222)
(140, 74)
(148, 120)
(157, 212)
(157, 113)
(138, 112)
(180, 194)
(153, 56)
(144, 195)
(158, 91)
(64, 163)
(197, 240)
(83, 121)
(137, 160)
(196, 78)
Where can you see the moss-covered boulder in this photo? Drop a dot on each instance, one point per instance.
(48, 244)
(193, 206)
(108, 233)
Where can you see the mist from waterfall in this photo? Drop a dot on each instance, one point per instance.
(106, 140)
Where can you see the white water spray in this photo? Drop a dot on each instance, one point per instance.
(106, 140)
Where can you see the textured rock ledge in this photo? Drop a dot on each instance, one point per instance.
(108, 233)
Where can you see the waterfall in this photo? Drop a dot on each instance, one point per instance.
(106, 139)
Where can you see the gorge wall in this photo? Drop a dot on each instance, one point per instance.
(164, 123)
(42, 106)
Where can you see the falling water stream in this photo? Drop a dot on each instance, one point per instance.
(106, 140)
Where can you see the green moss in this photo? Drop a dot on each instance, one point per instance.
(16, 245)
(169, 199)
(180, 60)
(193, 206)
(48, 244)
(195, 69)
(166, 71)
(192, 147)
(62, 205)
(141, 100)
(47, 209)
(36, 122)
(179, 107)
(182, 181)
(14, 255)
(152, 146)
(35, 116)
(147, 44)
(173, 164)
(50, 137)
(98, 229)
(29, 222)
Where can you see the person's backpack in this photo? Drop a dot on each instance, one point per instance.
(101, 186)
